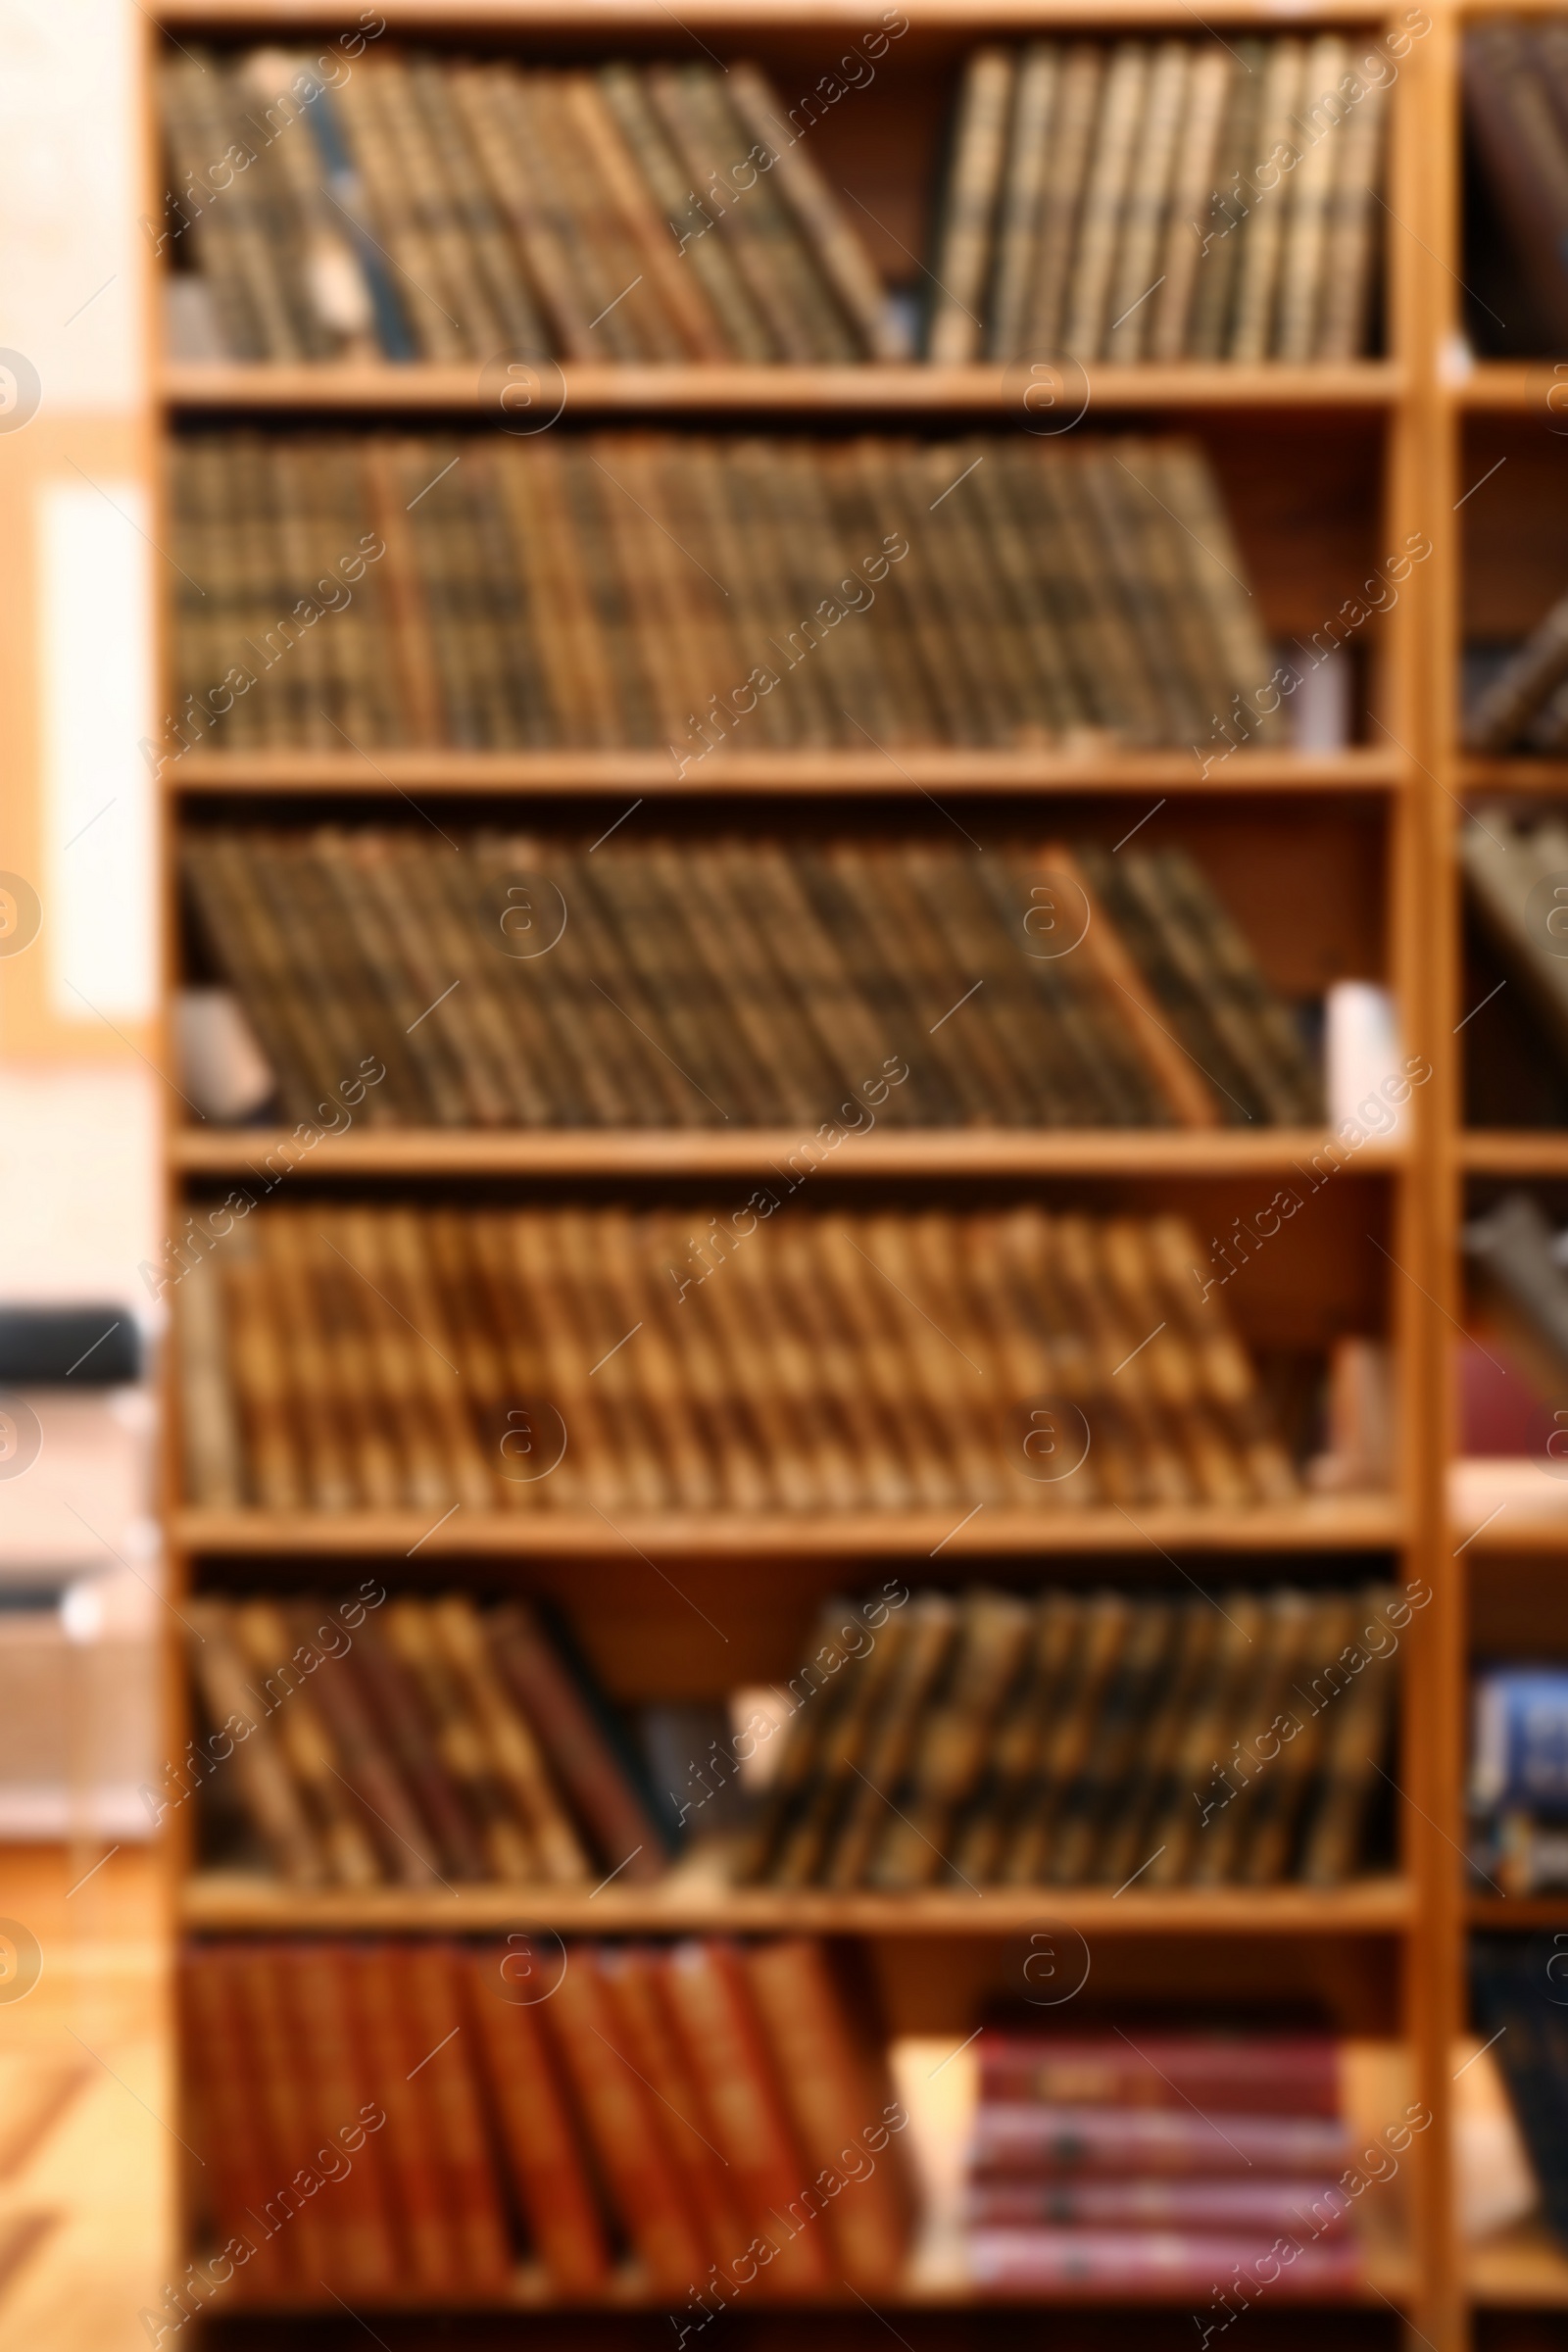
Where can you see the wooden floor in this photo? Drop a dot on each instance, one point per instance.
(85, 2161)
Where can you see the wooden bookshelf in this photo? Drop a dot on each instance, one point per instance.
(1395, 1943)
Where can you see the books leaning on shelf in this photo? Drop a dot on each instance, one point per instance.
(1525, 706)
(1085, 1740)
(1129, 200)
(1158, 2162)
(434, 1743)
(1515, 82)
(650, 2117)
(765, 1359)
(426, 207)
(1519, 1779)
(703, 594)
(670, 984)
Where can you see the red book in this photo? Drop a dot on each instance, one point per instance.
(431, 2259)
(297, 2214)
(650, 2197)
(1285, 2073)
(539, 2133)
(1174, 2204)
(748, 2120)
(834, 2099)
(356, 2189)
(1155, 2263)
(243, 2168)
(429, 1985)
(647, 2032)
(1145, 2140)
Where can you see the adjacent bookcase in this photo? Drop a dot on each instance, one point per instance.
(1327, 472)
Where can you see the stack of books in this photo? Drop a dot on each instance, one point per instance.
(436, 2122)
(751, 1359)
(1162, 200)
(1153, 2163)
(417, 206)
(1524, 706)
(530, 982)
(989, 1741)
(432, 1744)
(707, 595)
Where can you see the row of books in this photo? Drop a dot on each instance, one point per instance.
(438, 2123)
(432, 1744)
(970, 1739)
(1087, 1741)
(1515, 85)
(1513, 869)
(1101, 202)
(439, 207)
(1158, 2162)
(1523, 706)
(651, 1360)
(666, 983)
(706, 594)
(1519, 1778)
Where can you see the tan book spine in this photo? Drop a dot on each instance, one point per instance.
(677, 288)
(746, 334)
(515, 1757)
(1174, 1072)
(1105, 194)
(1136, 280)
(259, 1764)
(400, 202)
(387, 1344)
(966, 236)
(1263, 233)
(509, 1849)
(1036, 124)
(1015, 1746)
(1177, 1821)
(1304, 258)
(1193, 186)
(1349, 264)
(1063, 199)
(270, 1650)
(329, 1481)
(948, 1755)
(1027, 1858)
(213, 1445)
(804, 1836)
(257, 1368)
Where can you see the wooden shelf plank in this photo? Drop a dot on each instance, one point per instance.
(1512, 772)
(219, 1901)
(1367, 385)
(1513, 1534)
(1523, 2267)
(652, 774)
(1515, 386)
(701, 1153)
(1520, 1913)
(834, 19)
(1316, 1523)
(1514, 1151)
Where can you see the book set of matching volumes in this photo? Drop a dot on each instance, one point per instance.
(426, 207)
(759, 1360)
(435, 1744)
(433, 2122)
(1044, 986)
(1072, 1741)
(704, 593)
(1515, 86)
(1121, 200)
(1132, 201)
(1155, 2162)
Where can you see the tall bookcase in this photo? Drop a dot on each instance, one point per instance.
(1345, 866)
